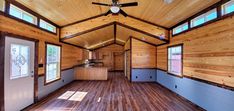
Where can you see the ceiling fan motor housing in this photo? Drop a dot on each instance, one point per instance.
(115, 9)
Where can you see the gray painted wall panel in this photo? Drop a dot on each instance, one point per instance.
(67, 76)
(209, 97)
(143, 75)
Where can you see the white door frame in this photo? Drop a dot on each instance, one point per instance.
(3, 35)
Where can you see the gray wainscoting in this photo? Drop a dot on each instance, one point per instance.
(43, 90)
(209, 97)
(143, 75)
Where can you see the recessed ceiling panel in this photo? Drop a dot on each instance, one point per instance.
(92, 38)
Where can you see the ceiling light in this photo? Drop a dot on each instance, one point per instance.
(168, 1)
(115, 9)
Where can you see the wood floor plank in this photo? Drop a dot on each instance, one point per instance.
(116, 94)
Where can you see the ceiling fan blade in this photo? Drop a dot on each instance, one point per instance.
(128, 4)
(123, 13)
(103, 4)
(107, 13)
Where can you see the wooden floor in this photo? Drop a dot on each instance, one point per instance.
(116, 94)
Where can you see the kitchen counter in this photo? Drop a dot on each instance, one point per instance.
(91, 73)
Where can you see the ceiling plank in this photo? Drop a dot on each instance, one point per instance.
(73, 45)
(102, 46)
(143, 32)
(106, 46)
(87, 31)
(93, 38)
(64, 12)
(148, 22)
(102, 43)
(93, 17)
(124, 34)
(132, 23)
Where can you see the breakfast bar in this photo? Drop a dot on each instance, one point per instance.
(91, 73)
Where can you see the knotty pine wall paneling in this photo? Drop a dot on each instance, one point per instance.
(127, 59)
(107, 54)
(143, 55)
(70, 54)
(208, 52)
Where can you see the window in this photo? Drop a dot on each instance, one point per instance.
(19, 13)
(228, 7)
(175, 60)
(47, 26)
(180, 28)
(2, 5)
(20, 57)
(52, 63)
(204, 18)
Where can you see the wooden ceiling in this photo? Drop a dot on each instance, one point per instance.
(148, 22)
(89, 40)
(87, 33)
(124, 34)
(63, 12)
(110, 34)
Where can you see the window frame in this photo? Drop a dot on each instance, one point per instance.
(182, 60)
(220, 16)
(47, 24)
(3, 6)
(6, 13)
(22, 13)
(180, 26)
(45, 68)
(204, 15)
(223, 8)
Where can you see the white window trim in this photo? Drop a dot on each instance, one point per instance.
(59, 73)
(168, 48)
(203, 16)
(24, 12)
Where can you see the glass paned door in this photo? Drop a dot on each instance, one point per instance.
(19, 61)
(18, 74)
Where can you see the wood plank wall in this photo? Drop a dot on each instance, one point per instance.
(208, 52)
(127, 45)
(107, 54)
(70, 54)
(143, 55)
(127, 52)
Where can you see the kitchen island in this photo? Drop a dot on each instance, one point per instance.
(91, 73)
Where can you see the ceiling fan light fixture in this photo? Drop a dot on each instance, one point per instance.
(115, 9)
(168, 1)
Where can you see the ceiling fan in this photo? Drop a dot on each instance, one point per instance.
(115, 7)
